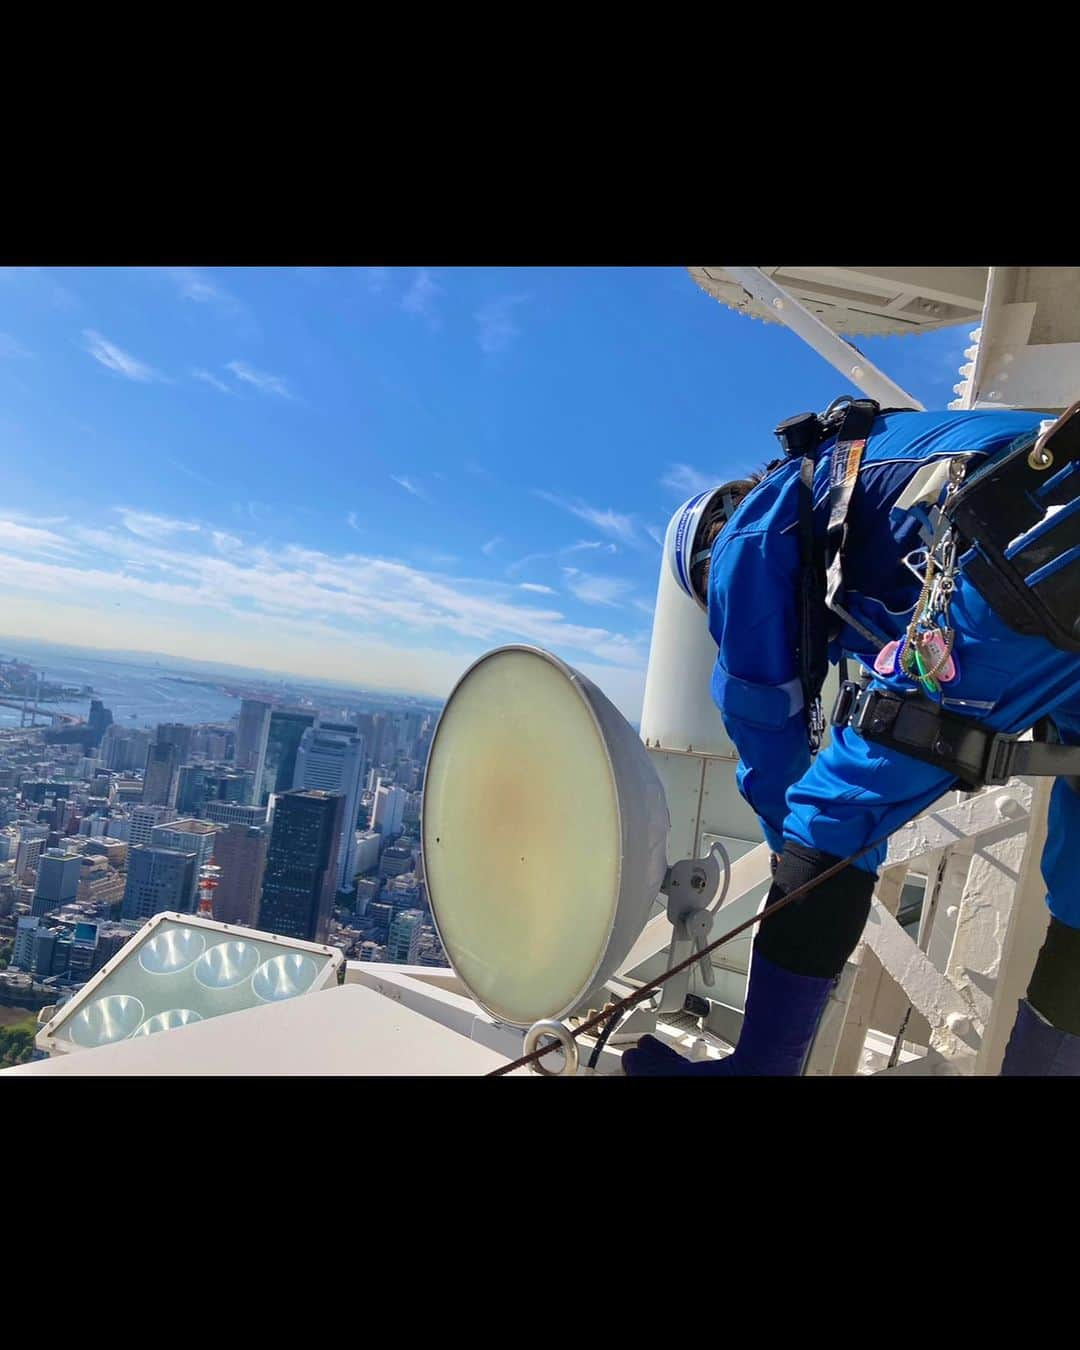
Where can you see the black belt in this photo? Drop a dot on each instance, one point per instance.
(918, 727)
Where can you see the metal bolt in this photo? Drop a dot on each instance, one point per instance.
(1008, 808)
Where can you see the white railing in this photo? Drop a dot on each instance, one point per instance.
(959, 979)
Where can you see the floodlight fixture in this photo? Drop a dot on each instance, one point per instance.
(183, 968)
(544, 834)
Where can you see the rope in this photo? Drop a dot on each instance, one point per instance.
(610, 1013)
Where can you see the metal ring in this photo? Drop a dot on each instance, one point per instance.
(559, 1033)
(1039, 457)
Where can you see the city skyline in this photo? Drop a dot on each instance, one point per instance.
(374, 475)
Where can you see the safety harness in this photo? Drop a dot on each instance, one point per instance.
(1016, 528)
(821, 572)
(975, 756)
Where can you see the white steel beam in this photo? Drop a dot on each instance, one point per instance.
(840, 354)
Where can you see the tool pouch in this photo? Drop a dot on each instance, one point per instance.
(1017, 526)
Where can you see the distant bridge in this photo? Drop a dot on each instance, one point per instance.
(69, 719)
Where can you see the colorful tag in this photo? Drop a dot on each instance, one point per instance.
(932, 648)
(885, 663)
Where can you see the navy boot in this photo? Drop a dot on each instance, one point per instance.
(783, 1011)
(1038, 1049)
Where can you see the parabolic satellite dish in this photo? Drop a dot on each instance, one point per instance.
(544, 834)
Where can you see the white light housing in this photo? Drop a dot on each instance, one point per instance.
(544, 834)
(180, 969)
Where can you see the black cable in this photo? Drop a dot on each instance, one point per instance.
(602, 1040)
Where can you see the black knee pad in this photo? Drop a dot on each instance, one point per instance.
(816, 934)
(1054, 990)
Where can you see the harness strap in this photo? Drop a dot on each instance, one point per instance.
(813, 641)
(918, 727)
(843, 474)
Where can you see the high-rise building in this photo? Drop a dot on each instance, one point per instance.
(124, 748)
(368, 847)
(378, 918)
(33, 840)
(287, 726)
(334, 762)
(190, 788)
(22, 954)
(111, 939)
(187, 836)
(99, 884)
(229, 786)
(234, 813)
(395, 861)
(240, 852)
(302, 865)
(43, 952)
(143, 820)
(178, 734)
(158, 879)
(380, 731)
(389, 808)
(83, 951)
(159, 776)
(403, 944)
(9, 843)
(58, 874)
(251, 736)
(99, 720)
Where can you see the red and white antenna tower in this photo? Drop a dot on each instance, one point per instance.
(209, 877)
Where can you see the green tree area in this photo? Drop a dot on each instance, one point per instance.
(17, 1041)
(6, 945)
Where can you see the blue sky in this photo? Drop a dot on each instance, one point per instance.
(373, 475)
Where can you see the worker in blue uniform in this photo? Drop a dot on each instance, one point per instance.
(741, 552)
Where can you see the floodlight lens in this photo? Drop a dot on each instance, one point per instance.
(105, 1020)
(165, 1021)
(283, 977)
(227, 964)
(522, 842)
(172, 951)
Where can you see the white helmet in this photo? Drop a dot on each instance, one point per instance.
(687, 530)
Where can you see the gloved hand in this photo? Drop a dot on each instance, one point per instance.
(651, 1058)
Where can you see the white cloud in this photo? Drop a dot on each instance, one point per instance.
(212, 380)
(260, 379)
(492, 544)
(410, 486)
(687, 481)
(9, 347)
(163, 562)
(422, 298)
(535, 586)
(352, 521)
(596, 590)
(32, 539)
(149, 526)
(116, 359)
(656, 534)
(198, 286)
(496, 325)
(611, 522)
